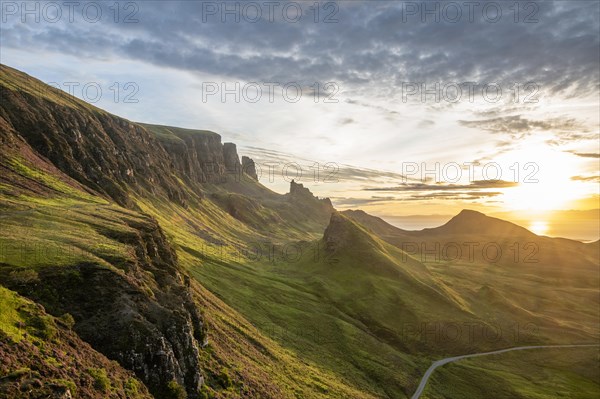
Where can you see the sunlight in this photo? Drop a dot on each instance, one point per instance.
(539, 227)
(544, 177)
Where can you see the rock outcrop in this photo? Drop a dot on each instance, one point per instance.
(198, 156)
(231, 158)
(343, 233)
(249, 167)
(302, 195)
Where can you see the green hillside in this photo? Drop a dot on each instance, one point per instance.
(184, 269)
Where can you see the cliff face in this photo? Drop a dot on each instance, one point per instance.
(249, 167)
(139, 312)
(198, 156)
(103, 152)
(231, 158)
(302, 196)
(112, 155)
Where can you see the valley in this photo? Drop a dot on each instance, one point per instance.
(180, 274)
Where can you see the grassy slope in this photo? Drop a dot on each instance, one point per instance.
(18, 81)
(336, 312)
(557, 290)
(538, 374)
(48, 221)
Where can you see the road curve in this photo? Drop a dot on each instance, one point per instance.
(439, 363)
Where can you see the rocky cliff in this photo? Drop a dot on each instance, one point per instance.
(303, 196)
(139, 312)
(231, 158)
(109, 154)
(43, 358)
(249, 167)
(198, 156)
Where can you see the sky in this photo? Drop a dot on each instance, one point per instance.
(405, 109)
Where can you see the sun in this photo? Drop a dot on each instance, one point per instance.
(544, 179)
(539, 227)
(539, 196)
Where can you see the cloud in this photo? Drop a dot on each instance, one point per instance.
(476, 190)
(458, 196)
(592, 179)
(563, 138)
(372, 47)
(474, 185)
(385, 110)
(586, 154)
(340, 172)
(345, 202)
(519, 127)
(426, 123)
(348, 202)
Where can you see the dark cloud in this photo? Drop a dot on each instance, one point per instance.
(459, 196)
(358, 202)
(347, 202)
(474, 185)
(372, 46)
(478, 189)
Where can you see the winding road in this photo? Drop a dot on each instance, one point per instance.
(439, 363)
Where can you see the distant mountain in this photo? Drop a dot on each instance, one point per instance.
(473, 222)
(486, 240)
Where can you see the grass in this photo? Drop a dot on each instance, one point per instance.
(101, 380)
(21, 319)
(11, 320)
(358, 310)
(19, 166)
(18, 81)
(536, 374)
(172, 134)
(56, 236)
